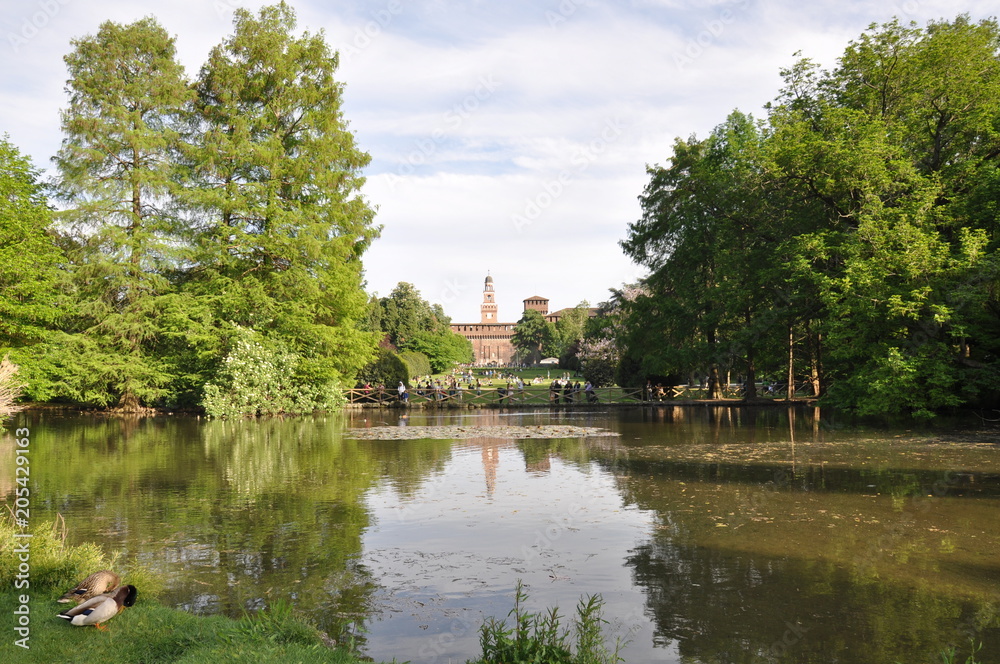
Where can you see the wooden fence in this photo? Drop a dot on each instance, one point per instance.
(501, 396)
(540, 396)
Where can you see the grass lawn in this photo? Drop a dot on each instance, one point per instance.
(547, 374)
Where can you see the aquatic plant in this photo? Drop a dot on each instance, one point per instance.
(539, 637)
(948, 655)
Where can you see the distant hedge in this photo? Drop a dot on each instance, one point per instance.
(417, 363)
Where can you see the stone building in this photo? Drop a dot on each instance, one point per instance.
(491, 339)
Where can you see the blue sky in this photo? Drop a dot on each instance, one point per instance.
(506, 136)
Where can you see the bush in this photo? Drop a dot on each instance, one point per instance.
(260, 376)
(387, 369)
(417, 364)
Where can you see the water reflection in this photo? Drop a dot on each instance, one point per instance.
(713, 534)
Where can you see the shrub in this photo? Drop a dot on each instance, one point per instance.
(260, 376)
(387, 369)
(417, 364)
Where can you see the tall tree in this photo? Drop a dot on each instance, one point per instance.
(30, 263)
(410, 322)
(126, 94)
(274, 185)
(895, 139)
(568, 332)
(710, 233)
(405, 314)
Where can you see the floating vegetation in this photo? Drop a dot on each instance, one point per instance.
(467, 431)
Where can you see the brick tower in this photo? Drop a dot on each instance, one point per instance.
(488, 309)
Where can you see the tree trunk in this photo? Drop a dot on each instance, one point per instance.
(750, 391)
(815, 365)
(791, 362)
(714, 383)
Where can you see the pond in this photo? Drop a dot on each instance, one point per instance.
(711, 534)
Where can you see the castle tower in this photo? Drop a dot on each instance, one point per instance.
(488, 308)
(538, 303)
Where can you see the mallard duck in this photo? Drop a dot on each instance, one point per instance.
(101, 608)
(97, 583)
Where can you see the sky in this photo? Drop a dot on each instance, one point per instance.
(508, 138)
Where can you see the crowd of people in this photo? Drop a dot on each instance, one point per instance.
(509, 388)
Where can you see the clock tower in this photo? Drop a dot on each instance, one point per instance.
(488, 309)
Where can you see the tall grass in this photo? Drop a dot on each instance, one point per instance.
(540, 637)
(56, 566)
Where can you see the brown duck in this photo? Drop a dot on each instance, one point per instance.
(96, 584)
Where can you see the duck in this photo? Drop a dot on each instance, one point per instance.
(101, 608)
(96, 584)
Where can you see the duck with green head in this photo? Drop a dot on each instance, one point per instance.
(102, 608)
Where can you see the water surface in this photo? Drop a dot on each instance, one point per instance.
(712, 535)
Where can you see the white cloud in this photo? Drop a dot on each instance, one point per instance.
(475, 111)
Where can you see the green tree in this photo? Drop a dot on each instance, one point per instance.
(30, 262)
(405, 314)
(127, 93)
(534, 335)
(568, 333)
(857, 228)
(411, 323)
(443, 349)
(711, 237)
(891, 146)
(273, 183)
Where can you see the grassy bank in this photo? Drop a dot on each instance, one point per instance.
(150, 632)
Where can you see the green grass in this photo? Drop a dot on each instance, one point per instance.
(547, 374)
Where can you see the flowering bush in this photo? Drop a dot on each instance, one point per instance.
(599, 358)
(260, 376)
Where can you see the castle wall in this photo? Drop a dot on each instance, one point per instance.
(491, 344)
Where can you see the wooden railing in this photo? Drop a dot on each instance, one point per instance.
(496, 395)
(728, 392)
(539, 395)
